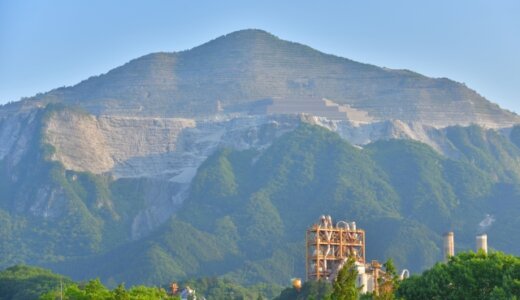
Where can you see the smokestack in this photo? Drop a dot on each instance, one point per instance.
(482, 242)
(449, 245)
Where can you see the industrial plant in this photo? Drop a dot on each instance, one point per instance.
(330, 245)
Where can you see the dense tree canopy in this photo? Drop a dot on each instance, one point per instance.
(94, 289)
(26, 283)
(467, 276)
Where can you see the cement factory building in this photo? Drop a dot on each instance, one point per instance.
(330, 245)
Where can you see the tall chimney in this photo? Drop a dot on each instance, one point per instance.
(449, 245)
(482, 242)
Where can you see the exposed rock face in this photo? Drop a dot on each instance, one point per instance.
(164, 152)
(170, 148)
(194, 146)
(49, 202)
(365, 133)
(16, 133)
(112, 144)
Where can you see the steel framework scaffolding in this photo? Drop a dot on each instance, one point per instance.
(329, 246)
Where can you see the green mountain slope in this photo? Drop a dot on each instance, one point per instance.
(487, 150)
(49, 214)
(247, 211)
(27, 283)
(23, 282)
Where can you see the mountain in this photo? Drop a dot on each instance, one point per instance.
(247, 211)
(214, 161)
(251, 70)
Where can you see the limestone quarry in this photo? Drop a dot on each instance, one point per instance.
(160, 116)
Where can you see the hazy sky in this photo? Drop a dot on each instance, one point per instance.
(47, 44)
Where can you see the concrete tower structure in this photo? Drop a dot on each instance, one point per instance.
(449, 245)
(482, 242)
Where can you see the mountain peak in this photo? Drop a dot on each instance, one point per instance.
(241, 39)
(252, 32)
(239, 69)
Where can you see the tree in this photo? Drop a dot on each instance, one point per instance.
(144, 292)
(25, 282)
(314, 290)
(388, 283)
(120, 293)
(344, 287)
(94, 289)
(467, 276)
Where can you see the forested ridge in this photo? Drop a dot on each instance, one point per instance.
(247, 211)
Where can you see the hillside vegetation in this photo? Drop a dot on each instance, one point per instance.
(23, 282)
(247, 211)
(26, 283)
(467, 276)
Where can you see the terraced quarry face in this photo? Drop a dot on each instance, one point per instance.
(110, 144)
(236, 71)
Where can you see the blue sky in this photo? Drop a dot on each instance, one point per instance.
(53, 43)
